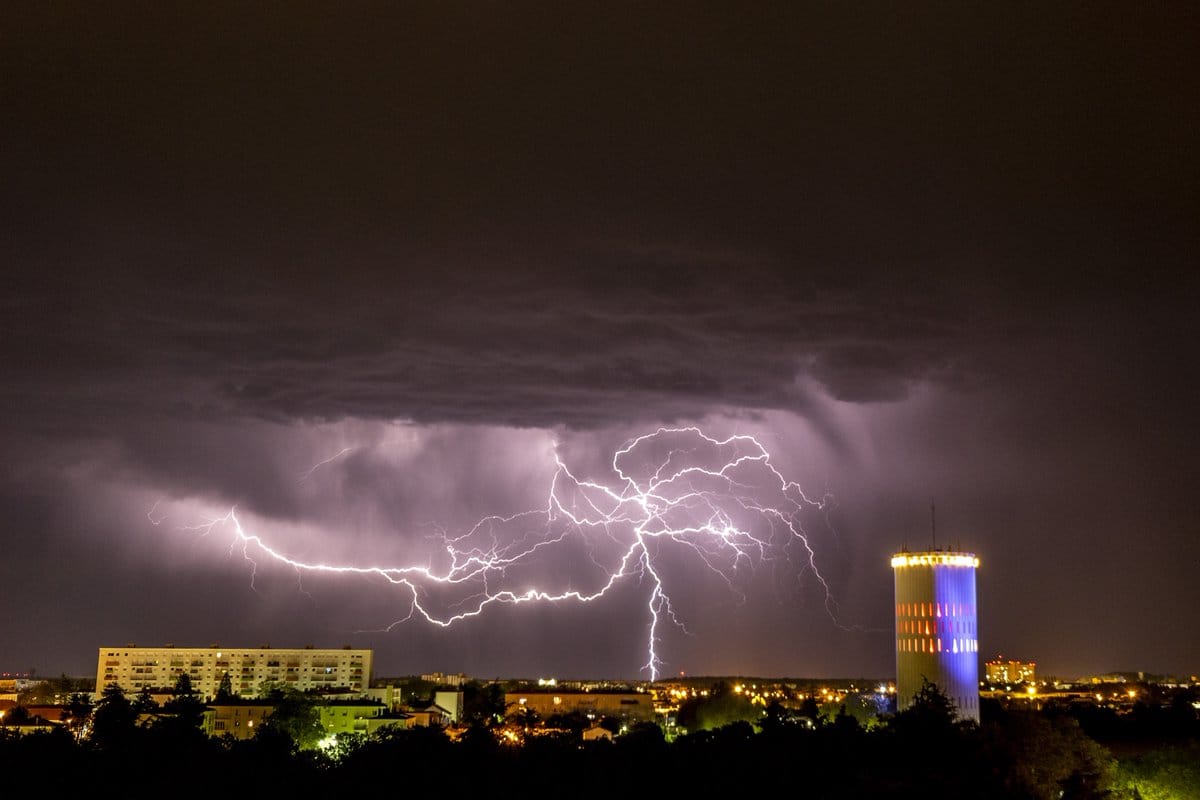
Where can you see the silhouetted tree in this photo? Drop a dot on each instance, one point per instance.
(1044, 757)
(295, 716)
(775, 718)
(185, 704)
(643, 738)
(17, 715)
(810, 709)
(845, 722)
(114, 720)
(931, 713)
(483, 703)
(144, 703)
(224, 689)
(77, 711)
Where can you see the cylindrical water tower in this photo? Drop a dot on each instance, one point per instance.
(937, 638)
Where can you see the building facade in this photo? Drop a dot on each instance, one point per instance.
(937, 635)
(240, 720)
(249, 669)
(1000, 671)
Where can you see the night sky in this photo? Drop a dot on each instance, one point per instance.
(921, 252)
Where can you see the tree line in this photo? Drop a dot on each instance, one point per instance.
(923, 751)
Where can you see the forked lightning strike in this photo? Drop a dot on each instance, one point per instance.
(736, 510)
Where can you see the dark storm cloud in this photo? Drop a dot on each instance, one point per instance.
(524, 349)
(486, 214)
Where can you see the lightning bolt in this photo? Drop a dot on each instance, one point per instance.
(676, 489)
(308, 472)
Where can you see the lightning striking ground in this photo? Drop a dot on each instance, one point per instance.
(672, 493)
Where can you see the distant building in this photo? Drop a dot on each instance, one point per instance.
(442, 679)
(595, 733)
(392, 697)
(936, 630)
(452, 702)
(340, 716)
(633, 706)
(432, 715)
(303, 669)
(239, 719)
(1010, 671)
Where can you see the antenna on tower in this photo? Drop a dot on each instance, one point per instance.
(933, 522)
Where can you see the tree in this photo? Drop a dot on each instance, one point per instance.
(114, 720)
(144, 703)
(17, 715)
(225, 689)
(845, 722)
(77, 711)
(574, 721)
(723, 706)
(810, 709)
(642, 738)
(483, 704)
(1045, 756)
(185, 704)
(1165, 773)
(295, 717)
(932, 713)
(775, 718)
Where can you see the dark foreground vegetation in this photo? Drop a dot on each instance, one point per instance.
(922, 752)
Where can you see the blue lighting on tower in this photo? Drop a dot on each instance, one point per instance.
(937, 635)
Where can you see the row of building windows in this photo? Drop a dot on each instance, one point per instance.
(935, 645)
(110, 666)
(255, 656)
(937, 627)
(935, 609)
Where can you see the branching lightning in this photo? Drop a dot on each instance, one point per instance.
(675, 492)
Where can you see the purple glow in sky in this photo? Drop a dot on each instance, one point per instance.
(370, 275)
(672, 494)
